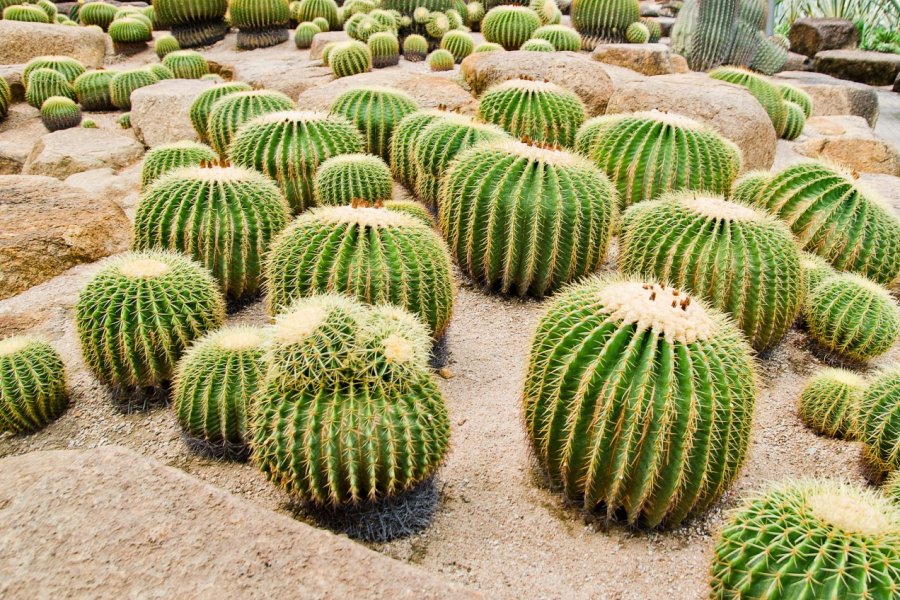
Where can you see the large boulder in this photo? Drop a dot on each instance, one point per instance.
(47, 226)
(809, 36)
(850, 142)
(572, 70)
(872, 68)
(69, 151)
(110, 523)
(729, 109)
(647, 59)
(160, 112)
(20, 42)
(833, 96)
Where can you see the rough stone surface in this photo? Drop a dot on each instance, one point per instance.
(797, 62)
(809, 36)
(833, 96)
(13, 76)
(729, 109)
(647, 59)
(873, 68)
(578, 72)
(110, 523)
(18, 134)
(679, 64)
(159, 112)
(47, 226)
(63, 153)
(20, 42)
(320, 40)
(849, 141)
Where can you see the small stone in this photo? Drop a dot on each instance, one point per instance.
(446, 373)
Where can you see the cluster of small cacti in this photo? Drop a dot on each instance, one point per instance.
(32, 384)
(349, 178)
(186, 64)
(167, 157)
(603, 21)
(231, 111)
(830, 403)
(509, 26)
(58, 112)
(879, 421)
(193, 22)
(563, 38)
(376, 112)
(350, 58)
(787, 117)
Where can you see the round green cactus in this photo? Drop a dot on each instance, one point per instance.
(350, 58)
(323, 24)
(852, 316)
(59, 112)
(488, 47)
(526, 220)
(833, 218)
(815, 270)
(45, 83)
(474, 14)
(49, 9)
(402, 151)
(385, 49)
(100, 14)
(70, 68)
(168, 157)
(304, 34)
(547, 11)
(830, 402)
(637, 33)
(534, 111)
(260, 23)
(213, 386)
(766, 93)
(458, 43)
(161, 71)
(290, 146)
(742, 260)
(653, 28)
(564, 39)
(193, 22)
(376, 255)
(440, 60)
(203, 104)
(313, 9)
(534, 45)
(88, 124)
(92, 90)
(408, 7)
(639, 398)
(350, 178)
(128, 342)
(129, 36)
(124, 83)
(748, 188)
(5, 98)
(186, 64)
(603, 21)
(412, 208)
(810, 539)
(794, 121)
(509, 26)
(32, 384)
(124, 120)
(649, 154)
(233, 110)
(797, 96)
(223, 217)
(26, 13)
(437, 25)
(415, 48)
(375, 111)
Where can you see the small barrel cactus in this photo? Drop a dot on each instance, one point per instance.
(458, 43)
(26, 13)
(203, 103)
(748, 188)
(744, 261)
(233, 110)
(375, 111)
(166, 44)
(440, 60)
(5, 98)
(766, 93)
(49, 9)
(350, 58)
(186, 64)
(160, 160)
(349, 178)
(304, 34)
(830, 402)
(124, 120)
(260, 23)
(193, 22)
(129, 36)
(564, 39)
(385, 49)
(852, 316)
(100, 14)
(124, 83)
(32, 384)
(88, 124)
(653, 28)
(526, 220)
(130, 343)
(376, 255)
(45, 83)
(488, 47)
(639, 398)
(415, 48)
(162, 72)
(797, 96)
(810, 539)
(794, 121)
(509, 26)
(537, 46)
(290, 146)
(70, 68)
(815, 270)
(820, 204)
(59, 112)
(309, 10)
(402, 157)
(637, 33)
(603, 21)
(323, 24)
(92, 90)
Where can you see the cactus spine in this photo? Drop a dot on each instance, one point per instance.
(402, 157)
(376, 112)
(830, 402)
(509, 26)
(32, 384)
(233, 110)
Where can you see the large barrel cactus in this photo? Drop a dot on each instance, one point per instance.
(32, 384)
(603, 21)
(92, 90)
(509, 26)
(59, 113)
(638, 399)
(124, 83)
(564, 39)
(308, 10)
(260, 23)
(205, 100)
(193, 22)
(376, 112)
(233, 110)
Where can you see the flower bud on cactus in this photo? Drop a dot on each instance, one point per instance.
(797, 96)
(124, 83)
(830, 403)
(742, 260)
(313, 9)
(794, 121)
(186, 64)
(458, 43)
(45, 83)
(70, 68)
(766, 93)
(639, 398)
(193, 22)
(260, 23)
(603, 21)
(385, 49)
(343, 179)
(231, 111)
(304, 34)
(203, 103)
(415, 47)
(509, 26)
(32, 384)
(168, 157)
(748, 188)
(58, 113)
(290, 146)
(564, 39)
(376, 112)
(402, 157)
(440, 60)
(166, 45)
(350, 58)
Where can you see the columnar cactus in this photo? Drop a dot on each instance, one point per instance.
(440, 60)
(32, 384)
(830, 402)
(415, 47)
(213, 385)
(58, 113)
(820, 204)
(68, 67)
(600, 21)
(766, 93)
(649, 154)
(563, 38)
(523, 219)
(92, 90)
(376, 255)
(639, 398)
(100, 14)
(509, 26)
(312, 9)
(534, 111)
(350, 58)
(290, 146)
(193, 22)
(223, 217)
(852, 316)
(233, 110)
(124, 83)
(304, 34)
(128, 342)
(160, 160)
(794, 121)
(45, 83)
(402, 151)
(166, 44)
(537, 46)
(771, 54)
(637, 33)
(375, 111)
(742, 260)
(186, 64)
(385, 49)
(458, 43)
(260, 23)
(810, 539)
(797, 96)
(203, 104)
(349, 178)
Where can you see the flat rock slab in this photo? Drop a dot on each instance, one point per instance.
(110, 523)
(832, 96)
(20, 42)
(647, 59)
(47, 227)
(572, 70)
(872, 68)
(850, 142)
(809, 36)
(64, 153)
(160, 112)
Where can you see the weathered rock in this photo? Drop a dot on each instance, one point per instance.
(873, 68)
(809, 36)
(160, 112)
(849, 141)
(797, 62)
(679, 64)
(320, 40)
(47, 226)
(110, 523)
(729, 109)
(572, 70)
(20, 42)
(647, 59)
(665, 25)
(13, 76)
(18, 133)
(833, 96)
(63, 153)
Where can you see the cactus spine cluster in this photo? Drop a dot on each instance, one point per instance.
(350, 58)
(349, 178)
(602, 21)
(260, 23)
(193, 22)
(563, 38)
(509, 26)
(160, 160)
(32, 384)
(233, 110)
(203, 104)
(58, 113)
(376, 112)
(46, 83)
(124, 83)
(830, 402)
(639, 398)
(879, 420)
(186, 64)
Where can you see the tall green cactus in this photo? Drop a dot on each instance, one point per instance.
(168, 157)
(260, 23)
(376, 112)
(233, 110)
(193, 22)
(402, 150)
(509, 26)
(830, 403)
(203, 104)
(603, 21)
(45, 83)
(32, 384)
(880, 419)
(124, 83)
(349, 178)
(638, 397)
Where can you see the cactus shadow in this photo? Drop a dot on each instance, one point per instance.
(216, 450)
